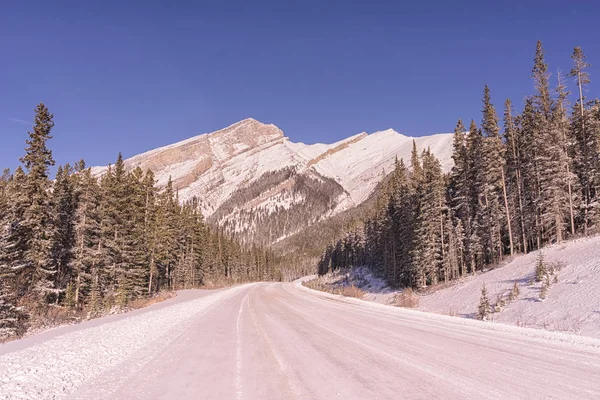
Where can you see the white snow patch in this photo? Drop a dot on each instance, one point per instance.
(572, 303)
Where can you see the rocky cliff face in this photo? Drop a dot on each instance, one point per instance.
(254, 181)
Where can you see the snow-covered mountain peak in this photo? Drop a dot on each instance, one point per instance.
(249, 172)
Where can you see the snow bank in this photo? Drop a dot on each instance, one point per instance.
(572, 303)
(569, 340)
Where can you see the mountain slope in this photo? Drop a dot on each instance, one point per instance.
(257, 183)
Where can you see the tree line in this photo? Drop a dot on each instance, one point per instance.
(89, 243)
(512, 189)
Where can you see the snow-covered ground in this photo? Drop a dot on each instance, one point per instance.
(572, 303)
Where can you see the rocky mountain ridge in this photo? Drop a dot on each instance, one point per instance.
(257, 183)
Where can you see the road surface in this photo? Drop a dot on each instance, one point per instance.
(284, 341)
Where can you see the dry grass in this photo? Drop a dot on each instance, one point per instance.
(43, 317)
(52, 316)
(145, 302)
(348, 291)
(351, 291)
(316, 284)
(407, 298)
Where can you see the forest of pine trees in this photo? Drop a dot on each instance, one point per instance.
(88, 243)
(512, 189)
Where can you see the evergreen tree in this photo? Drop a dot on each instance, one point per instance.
(63, 236)
(515, 172)
(478, 242)
(12, 318)
(549, 156)
(429, 230)
(485, 308)
(402, 220)
(540, 267)
(13, 235)
(495, 181)
(87, 252)
(586, 159)
(40, 272)
(565, 151)
(459, 190)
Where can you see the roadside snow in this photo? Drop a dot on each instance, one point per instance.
(57, 367)
(449, 321)
(572, 303)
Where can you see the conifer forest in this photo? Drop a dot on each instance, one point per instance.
(520, 181)
(90, 243)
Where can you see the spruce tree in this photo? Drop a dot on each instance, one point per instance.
(485, 308)
(514, 176)
(531, 176)
(40, 272)
(87, 254)
(402, 216)
(566, 149)
(459, 190)
(495, 177)
(427, 253)
(13, 236)
(12, 318)
(586, 159)
(63, 235)
(550, 156)
(478, 242)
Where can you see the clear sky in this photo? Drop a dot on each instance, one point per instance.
(134, 75)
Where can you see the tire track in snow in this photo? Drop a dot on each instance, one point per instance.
(239, 390)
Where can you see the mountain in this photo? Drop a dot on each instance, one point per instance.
(255, 182)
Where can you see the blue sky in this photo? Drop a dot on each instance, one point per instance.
(131, 76)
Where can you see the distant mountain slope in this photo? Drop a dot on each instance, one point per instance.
(253, 180)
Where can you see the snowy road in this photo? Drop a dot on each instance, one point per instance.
(283, 341)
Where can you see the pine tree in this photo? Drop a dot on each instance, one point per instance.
(586, 161)
(150, 229)
(427, 253)
(485, 308)
(135, 250)
(515, 171)
(562, 133)
(402, 220)
(540, 267)
(495, 177)
(87, 254)
(550, 157)
(14, 235)
(12, 318)
(40, 273)
(166, 233)
(459, 191)
(531, 180)
(63, 236)
(478, 206)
